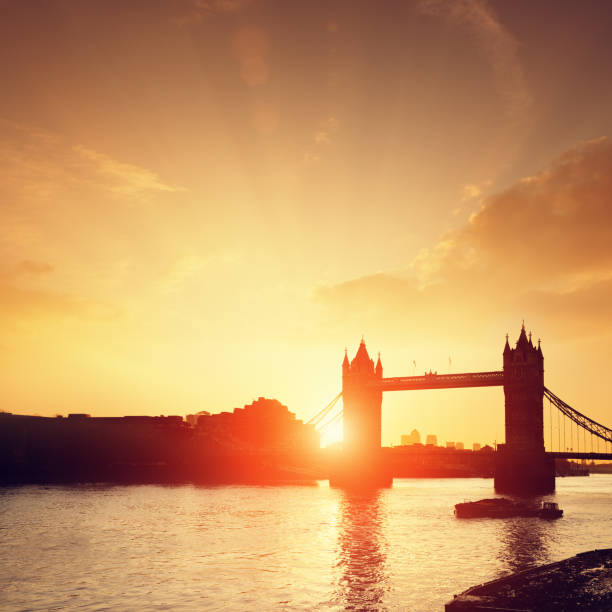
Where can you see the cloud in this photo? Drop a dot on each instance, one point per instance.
(66, 216)
(497, 43)
(17, 303)
(326, 130)
(123, 178)
(196, 11)
(470, 192)
(38, 164)
(323, 136)
(19, 300)
(549, 229)
(219, 6)
(541, 247)
(36, 268)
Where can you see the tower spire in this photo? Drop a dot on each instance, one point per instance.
(345, 362)
(507, 345)
(522, 340)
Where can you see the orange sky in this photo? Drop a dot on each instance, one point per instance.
(205, 201)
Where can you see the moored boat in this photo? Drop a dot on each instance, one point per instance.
(502, 507)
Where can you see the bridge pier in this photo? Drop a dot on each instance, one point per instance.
(523, 473)
(364, 471)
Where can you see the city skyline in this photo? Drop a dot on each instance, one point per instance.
(204, 202)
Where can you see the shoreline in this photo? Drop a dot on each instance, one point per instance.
(582, 582)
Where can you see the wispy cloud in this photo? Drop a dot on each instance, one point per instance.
(323, 136)
(40, 164)
(195, 11)
(326, 131)
(123, 178)
(499, 45)
(21, 299)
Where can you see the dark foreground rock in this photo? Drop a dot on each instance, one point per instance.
(583, 582)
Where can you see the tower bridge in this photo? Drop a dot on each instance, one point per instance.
(522, 463)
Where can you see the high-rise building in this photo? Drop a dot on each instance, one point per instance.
(431, 440)
(414, 437)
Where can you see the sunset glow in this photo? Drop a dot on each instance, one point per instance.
(205, 202)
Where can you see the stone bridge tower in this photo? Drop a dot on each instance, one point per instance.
(522, 465)
(524, 395)
(362, 402)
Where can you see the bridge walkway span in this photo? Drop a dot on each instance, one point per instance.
(573, 455)
(442, 381)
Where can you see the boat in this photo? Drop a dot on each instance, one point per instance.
(550, 510)
(502, 507)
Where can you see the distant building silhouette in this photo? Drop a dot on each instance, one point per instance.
(459, 445)
(414, 437)
(258, 443)
(476, 446)
(192, 419)
(266, 423)
(431, 440)
(450, 445)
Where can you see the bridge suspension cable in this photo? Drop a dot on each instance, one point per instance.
(322, 414)
(325, 426)
(581, 420)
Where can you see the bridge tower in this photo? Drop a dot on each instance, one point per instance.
(362, 463)
(522, 465)
(362, 402)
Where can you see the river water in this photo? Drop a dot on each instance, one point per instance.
(275, 548)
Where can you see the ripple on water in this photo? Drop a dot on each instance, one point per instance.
(189, 548)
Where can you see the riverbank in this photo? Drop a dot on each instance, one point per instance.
(582, 582)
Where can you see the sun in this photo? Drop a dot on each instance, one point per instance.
(331, 433)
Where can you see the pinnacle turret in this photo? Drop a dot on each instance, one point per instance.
(379, 368)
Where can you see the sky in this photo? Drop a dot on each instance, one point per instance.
(205, 201)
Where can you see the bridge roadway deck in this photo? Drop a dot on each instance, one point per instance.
(573, 455)
(442, 381)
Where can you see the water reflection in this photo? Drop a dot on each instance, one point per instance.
(526, 542)
(362, 548)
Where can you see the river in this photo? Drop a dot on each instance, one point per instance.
(97, 547)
